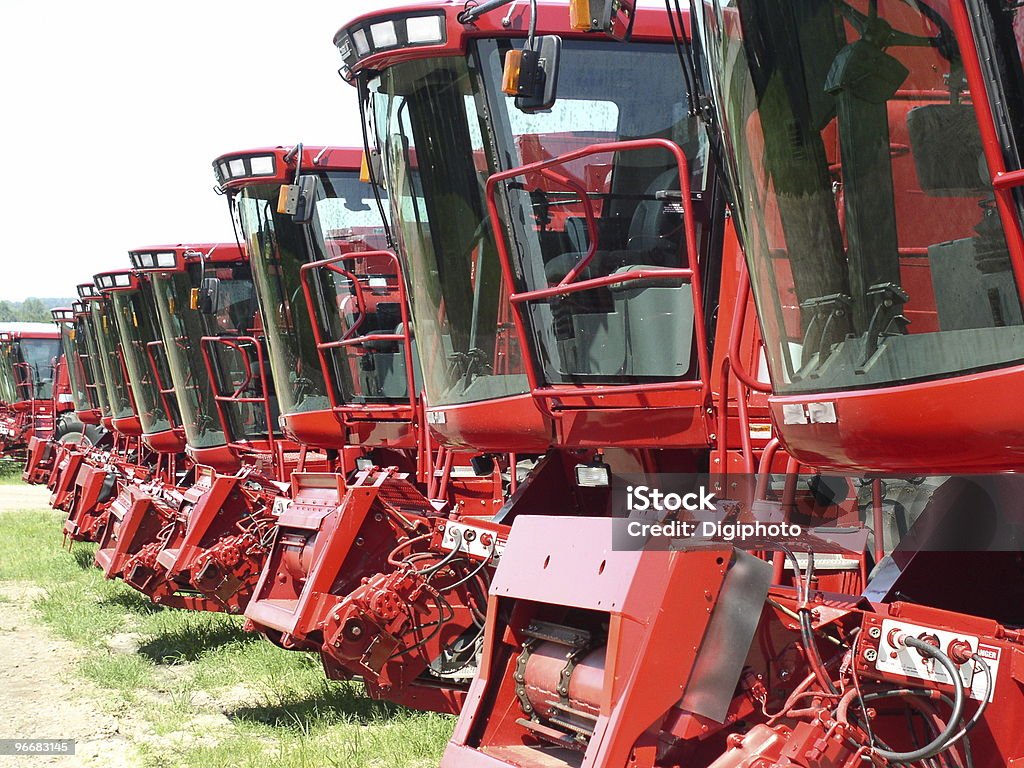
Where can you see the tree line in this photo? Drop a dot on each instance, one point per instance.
(31, 310)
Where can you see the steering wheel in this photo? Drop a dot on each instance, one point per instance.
(879, 32)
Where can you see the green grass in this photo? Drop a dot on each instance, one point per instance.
(10, 471)
(209, 693)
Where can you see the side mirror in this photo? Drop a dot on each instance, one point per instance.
(531, 74)
(299, 199)
(209, 296)
(610, 17)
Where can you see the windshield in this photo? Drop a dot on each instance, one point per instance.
(278, 247)
(231, 312)
(75, 365)
(8, 391)
(604, 214)
(426, 114)
(86, 325)
(431, 121)
(35, 367)
(181, 328)
(862, 196)
(111, 367)
(140, 342)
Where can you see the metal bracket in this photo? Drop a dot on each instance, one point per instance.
(830, 319)
(887, 319)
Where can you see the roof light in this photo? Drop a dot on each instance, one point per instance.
(244, 167)
(360, 42)
(384, 34)
(261, 165)
(166, 259)
(144, 260)
(596, 475)
(424, 29)
(122, 280)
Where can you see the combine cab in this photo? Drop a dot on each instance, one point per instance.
(870, 151)
(29, 377)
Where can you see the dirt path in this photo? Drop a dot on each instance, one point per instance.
(41, 696)
(15, 496)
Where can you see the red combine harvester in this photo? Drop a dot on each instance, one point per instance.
(34, 391)
(198, 544)
(64, 427)
(871, 155)
(537, 364)
(336, 320)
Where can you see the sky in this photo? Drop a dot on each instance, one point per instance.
(112, 113)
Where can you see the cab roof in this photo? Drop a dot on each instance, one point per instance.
(651, 24)
(276, 165)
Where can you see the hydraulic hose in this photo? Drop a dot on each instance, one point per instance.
(984, 702)
(949, 734)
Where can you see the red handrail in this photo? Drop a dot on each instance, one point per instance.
(235, 342)
(374, 410)
(165, 392)
(739, 316)
(542, 389)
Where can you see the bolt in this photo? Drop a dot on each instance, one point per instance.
(870, 654)
(875, 632)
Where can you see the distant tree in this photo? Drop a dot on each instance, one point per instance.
(34, 311)
(7, 312)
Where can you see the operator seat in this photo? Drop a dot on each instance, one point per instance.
(654, 237)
